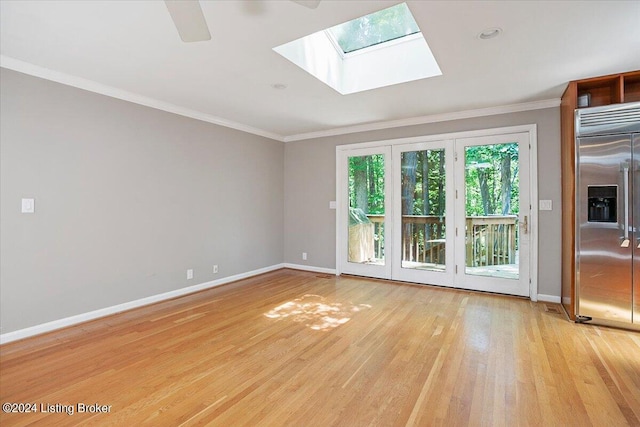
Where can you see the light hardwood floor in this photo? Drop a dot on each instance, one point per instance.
(302, 349)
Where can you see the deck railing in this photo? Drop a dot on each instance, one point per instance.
(378, 233)
(490, 240)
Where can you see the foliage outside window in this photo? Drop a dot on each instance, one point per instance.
(366, 183)
(379, 27)
(492, 180)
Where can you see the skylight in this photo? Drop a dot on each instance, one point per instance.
(375, 28)
(380, 49)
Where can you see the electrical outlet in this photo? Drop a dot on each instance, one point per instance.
(304, 256)
(189, 274)
(215, 269)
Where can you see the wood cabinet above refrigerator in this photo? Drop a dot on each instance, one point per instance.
(593, 92)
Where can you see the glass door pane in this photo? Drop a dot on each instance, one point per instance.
(423, 208)
(364, 220)
(423, 212)
(366, 243)
(492, 206)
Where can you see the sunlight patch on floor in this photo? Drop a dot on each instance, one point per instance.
(316, 312)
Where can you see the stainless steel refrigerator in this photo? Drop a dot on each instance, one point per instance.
(608, 214)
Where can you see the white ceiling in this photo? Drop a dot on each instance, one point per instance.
(131, 49)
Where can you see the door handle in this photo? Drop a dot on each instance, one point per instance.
(625, 180)
(525, 224)
(635, 227)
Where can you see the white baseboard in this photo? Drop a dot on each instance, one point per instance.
(107, 311)
(310, 268)
(549, 298)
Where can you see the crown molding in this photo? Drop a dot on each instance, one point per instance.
(434, 118)
(93, 86)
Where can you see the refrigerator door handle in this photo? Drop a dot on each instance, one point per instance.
(625, 180)
(634, 221)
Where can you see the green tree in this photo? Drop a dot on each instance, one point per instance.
(409, 165)
(375, 28)
(366, 183)
(491, 178)
(424, 159)
(361, 187)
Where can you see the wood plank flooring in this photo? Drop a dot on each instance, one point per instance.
(292, 348)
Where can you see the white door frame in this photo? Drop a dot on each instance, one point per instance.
(342, 214)
(517, 286)
(531, 129)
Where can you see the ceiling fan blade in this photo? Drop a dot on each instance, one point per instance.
(311, 4)
(189, 20)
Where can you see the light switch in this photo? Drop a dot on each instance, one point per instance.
(332, 204)
(545, 205)
(28, 206)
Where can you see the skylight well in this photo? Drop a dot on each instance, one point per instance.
(354, 56)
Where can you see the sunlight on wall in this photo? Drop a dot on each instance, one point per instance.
(315, 312)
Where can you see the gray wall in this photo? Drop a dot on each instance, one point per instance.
(310, 182)
(127, 199)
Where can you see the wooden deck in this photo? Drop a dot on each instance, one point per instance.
(292, 348)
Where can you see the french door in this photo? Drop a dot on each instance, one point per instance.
(424, 227)
(493, 212)
(365, 212)
(452, 212)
